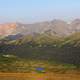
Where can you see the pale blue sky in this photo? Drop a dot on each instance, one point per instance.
(38, 10)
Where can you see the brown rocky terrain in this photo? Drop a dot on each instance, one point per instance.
(57, 27)
(7, 29)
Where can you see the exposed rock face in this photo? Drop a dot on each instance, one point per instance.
(75, 25)
(57, 27)
(7, 29)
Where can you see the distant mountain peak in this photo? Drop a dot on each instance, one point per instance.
(58, 27)
(7, 29)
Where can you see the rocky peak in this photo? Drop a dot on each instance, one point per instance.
(7, 29)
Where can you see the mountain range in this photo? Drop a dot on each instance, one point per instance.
(57, 27)
(54, 27)
(51, 40)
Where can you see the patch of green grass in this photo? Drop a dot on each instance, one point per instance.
(15, 64)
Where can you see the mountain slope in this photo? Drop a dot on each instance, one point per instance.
(54, 27)
(45, 47)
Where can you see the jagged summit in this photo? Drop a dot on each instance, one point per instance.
(57, 27)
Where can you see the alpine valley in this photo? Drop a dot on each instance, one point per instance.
(43, 44)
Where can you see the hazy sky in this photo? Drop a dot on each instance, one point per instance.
(38, 10)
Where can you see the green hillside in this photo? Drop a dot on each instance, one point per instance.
(64, 50)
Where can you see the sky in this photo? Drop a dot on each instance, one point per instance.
(38, 10)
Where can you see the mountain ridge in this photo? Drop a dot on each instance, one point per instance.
(54, 27)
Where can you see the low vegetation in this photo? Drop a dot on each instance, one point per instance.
(52, 53)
